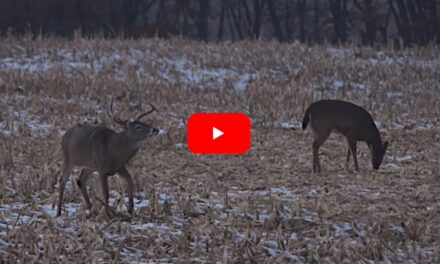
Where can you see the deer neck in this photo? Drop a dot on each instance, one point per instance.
(126, 146)
(375, 141)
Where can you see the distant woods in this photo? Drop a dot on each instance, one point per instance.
(369, 22)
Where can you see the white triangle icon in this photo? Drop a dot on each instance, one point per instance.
(216, 133)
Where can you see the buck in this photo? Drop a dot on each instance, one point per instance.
(99, 148)
(350, 120)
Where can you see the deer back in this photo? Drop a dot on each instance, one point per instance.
(343, 117)
(95, 147)
(102, 149)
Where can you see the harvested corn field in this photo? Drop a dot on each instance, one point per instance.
(265, 206)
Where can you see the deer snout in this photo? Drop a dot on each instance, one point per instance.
(155, 131)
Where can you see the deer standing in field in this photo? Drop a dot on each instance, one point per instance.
(98, 148)
(348, 119)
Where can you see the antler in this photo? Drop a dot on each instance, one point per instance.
(113, 116)
(146, 113)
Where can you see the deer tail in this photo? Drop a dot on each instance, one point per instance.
(306, 119)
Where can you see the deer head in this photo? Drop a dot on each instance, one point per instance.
(135, 129)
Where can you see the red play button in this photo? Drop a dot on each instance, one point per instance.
(218, 133)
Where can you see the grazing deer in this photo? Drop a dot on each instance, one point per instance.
(98, 148)
(348, 119)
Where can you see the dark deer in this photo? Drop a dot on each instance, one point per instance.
(98, 148)
(348, 119)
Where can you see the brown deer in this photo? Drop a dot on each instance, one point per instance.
(98, 148)
(348, 119)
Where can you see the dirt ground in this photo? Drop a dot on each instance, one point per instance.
(265, 206)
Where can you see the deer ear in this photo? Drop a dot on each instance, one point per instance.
(385, 146)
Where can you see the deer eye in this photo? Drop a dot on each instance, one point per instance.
(138, 127)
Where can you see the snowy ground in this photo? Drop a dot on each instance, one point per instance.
(263, 206)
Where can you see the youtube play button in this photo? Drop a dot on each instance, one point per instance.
(218, 133)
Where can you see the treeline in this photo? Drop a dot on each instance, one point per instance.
(370, 22)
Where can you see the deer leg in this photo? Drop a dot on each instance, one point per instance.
(347, 160)
(319, 139)
(315, 157)
(82, 183)
(352, 145)
(105, 192)
(123, 172)
(67, 170)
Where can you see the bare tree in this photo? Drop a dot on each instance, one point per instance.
(203, 19)
(371, 21)
(339, 13)
(275, 21)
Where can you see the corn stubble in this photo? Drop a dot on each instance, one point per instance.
(264, 206)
